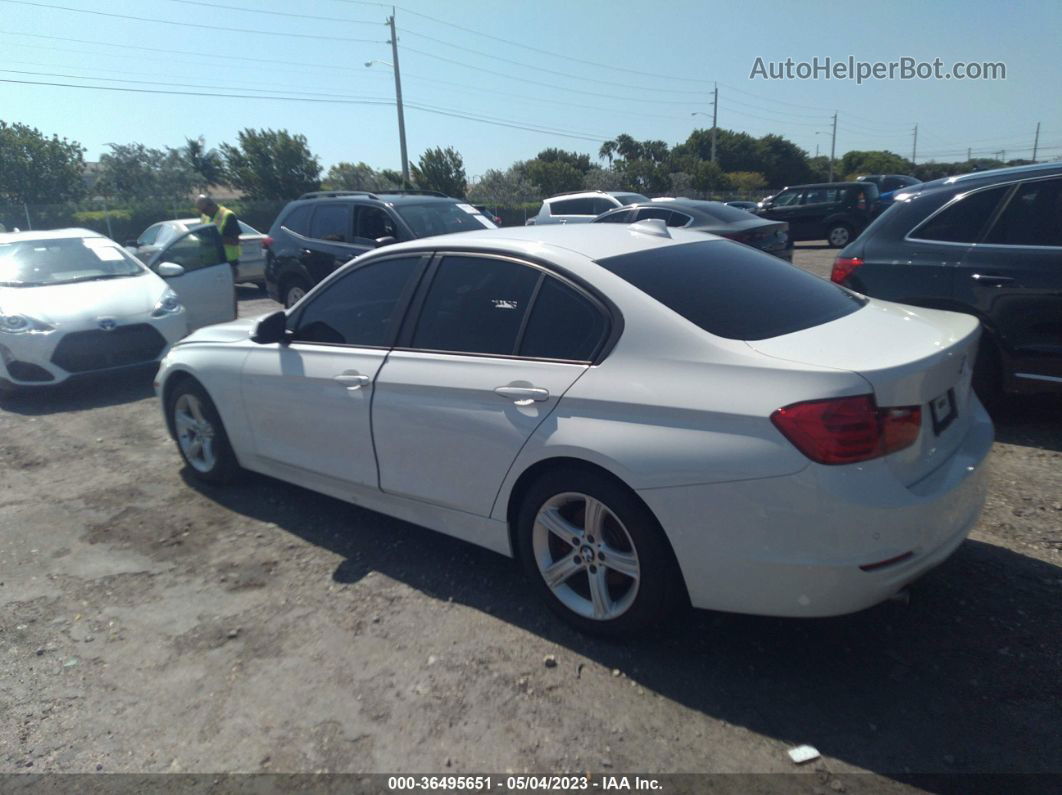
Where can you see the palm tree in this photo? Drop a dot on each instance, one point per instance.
(205, 163)
(608, 149)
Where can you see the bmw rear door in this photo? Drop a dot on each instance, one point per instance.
(491, 346)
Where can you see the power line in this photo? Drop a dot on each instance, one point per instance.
(274, 13)
(550, 53)
(215, 28)
(382, 102)
(539, 68)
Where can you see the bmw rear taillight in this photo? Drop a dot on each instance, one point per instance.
(843, 267)
(267, 241)
(848, 430)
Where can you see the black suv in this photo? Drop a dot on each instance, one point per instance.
(987, 244)
(320, 231)
(834, 211)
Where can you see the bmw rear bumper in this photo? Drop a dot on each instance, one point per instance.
(800, 545)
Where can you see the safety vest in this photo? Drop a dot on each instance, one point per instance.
(232, 253)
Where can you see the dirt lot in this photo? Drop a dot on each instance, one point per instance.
(150, 624)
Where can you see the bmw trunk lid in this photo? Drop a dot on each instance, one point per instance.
(910, 357)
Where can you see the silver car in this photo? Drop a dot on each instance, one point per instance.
(157, 236)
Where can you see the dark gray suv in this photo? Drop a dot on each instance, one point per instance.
(988, 244)
(320, 231)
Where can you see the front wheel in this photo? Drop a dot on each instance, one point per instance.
(596, 554)
(200, 436)
(839, 235)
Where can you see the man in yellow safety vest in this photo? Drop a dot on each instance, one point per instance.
(228, 225)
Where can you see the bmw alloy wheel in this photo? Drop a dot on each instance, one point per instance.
(195, 433)
(586, 556)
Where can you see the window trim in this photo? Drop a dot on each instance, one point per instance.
(603, 347)
(401, 306)
(958, 197)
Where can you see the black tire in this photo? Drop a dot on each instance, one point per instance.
(839, 235)
(659, 584)
(221, 467)
(292, 291)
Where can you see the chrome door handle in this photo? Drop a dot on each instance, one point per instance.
(991, 280)
(351, 380)
(522, 395)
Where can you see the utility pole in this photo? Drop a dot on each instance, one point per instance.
(715, 116)
(1036, 141)
(969, 151)
(914, 148)
(398, 100)
(833, 145)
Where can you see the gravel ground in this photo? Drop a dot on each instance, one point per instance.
(151, 624)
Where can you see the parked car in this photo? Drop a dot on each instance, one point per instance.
(581, 207)
(74, 302)
(743, 205)
(888, 186)
(641, 415)
(486, 212)
(710, 217)
(152, 240)
(320, 231)
(987, 243)
(834, 211)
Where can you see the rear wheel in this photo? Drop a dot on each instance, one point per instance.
(596, 554)
(293, 291)
(200, 436)
(839, 235)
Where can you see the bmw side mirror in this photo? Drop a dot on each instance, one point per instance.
(385, 241)
(170, 270)
(271, 329)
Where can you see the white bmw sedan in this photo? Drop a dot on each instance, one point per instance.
(641, 415)
(74, 302)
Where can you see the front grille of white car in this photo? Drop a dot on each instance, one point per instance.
(84, 351)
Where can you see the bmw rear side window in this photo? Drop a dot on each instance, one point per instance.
(962, 221)
(734, 291)
(563, 325)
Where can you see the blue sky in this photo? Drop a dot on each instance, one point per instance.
(630, 67)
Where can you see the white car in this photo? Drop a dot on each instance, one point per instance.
(581, 207)
(149, 246)
(74, 302)
(642, 415)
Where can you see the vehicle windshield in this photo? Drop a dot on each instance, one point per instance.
(35, 263)
(734, 291)
(442, 218)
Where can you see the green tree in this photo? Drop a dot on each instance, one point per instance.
(38, 169)
(442, 170)
(604, 179)
(782, 162)
(576, 160)
(857, 163)
(358, 176)
(206, 165)
(509, 188)
(708, 177)
(554, 176)
(137, 172)
(271, 164)
(747, 182)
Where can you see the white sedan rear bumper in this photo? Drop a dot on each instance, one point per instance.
(795, 545)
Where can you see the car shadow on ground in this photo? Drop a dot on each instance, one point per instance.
(1030, 421)
(82, 393)
(963, 679)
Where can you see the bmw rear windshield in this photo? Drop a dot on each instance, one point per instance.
(734, 291)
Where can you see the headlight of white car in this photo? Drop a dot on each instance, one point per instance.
(169, 304)
(21, 324)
